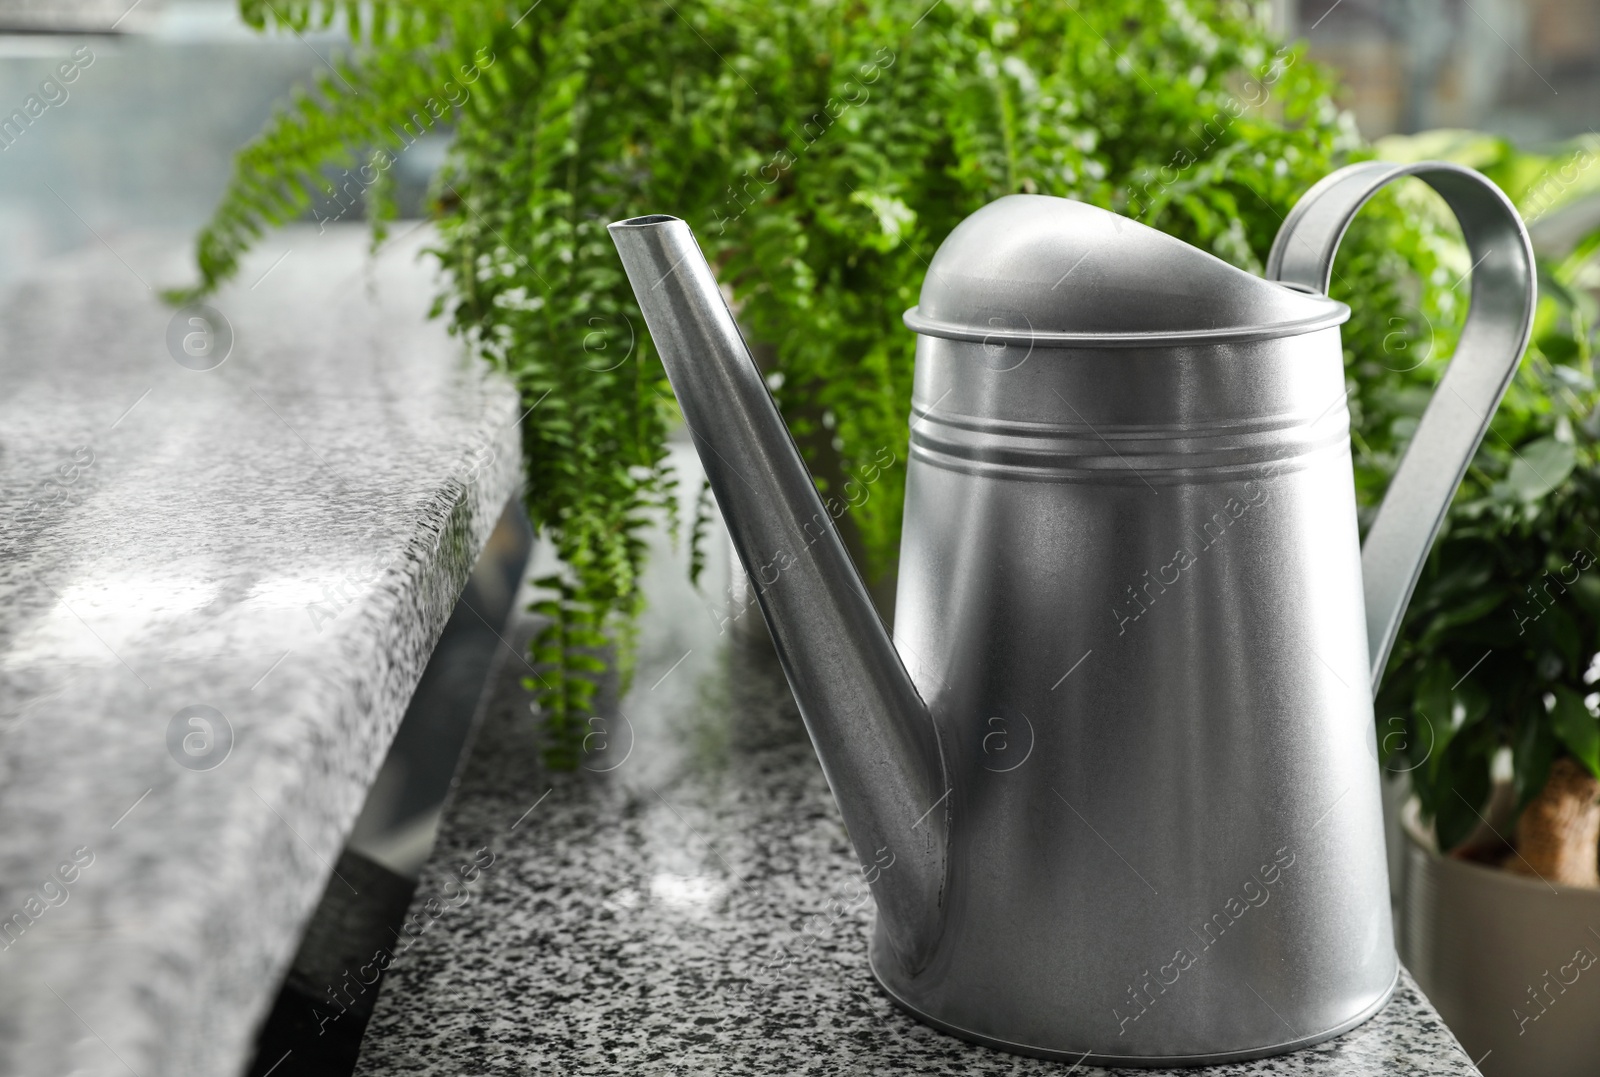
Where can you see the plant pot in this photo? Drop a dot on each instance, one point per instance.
(1512, 963)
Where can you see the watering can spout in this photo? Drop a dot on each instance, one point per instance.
(872, 732)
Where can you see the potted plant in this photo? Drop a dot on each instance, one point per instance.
(1489, 706)
(821, 151)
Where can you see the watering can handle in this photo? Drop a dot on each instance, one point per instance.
(1492, 341)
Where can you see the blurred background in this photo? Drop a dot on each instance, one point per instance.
(1526, 69)
(145, 137)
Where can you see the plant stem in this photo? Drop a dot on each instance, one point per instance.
(1558, 836)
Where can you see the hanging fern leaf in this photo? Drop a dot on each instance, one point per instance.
(821, 150)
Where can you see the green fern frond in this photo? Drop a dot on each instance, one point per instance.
(821, 151)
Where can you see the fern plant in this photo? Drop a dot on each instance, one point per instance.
(821, 150)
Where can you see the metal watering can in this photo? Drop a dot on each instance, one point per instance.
(1116, 771)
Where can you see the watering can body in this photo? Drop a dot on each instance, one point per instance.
(1116, 774)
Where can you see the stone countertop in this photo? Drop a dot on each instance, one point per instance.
(220, 588)
(688, 903)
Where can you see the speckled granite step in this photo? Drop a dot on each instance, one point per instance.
(220, 583)
(688, 903)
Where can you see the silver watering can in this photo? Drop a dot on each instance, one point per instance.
(1116, 770)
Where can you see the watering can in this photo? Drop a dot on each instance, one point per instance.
(1114, 777)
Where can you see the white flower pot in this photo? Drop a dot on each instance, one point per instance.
(1511, 962)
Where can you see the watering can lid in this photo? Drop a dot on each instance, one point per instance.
(1054, 272)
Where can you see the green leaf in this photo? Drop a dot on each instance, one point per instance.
(1586, 593)
(1531, 756)
(1433, 706)
(1475, 607)
(1464, 784)
(1559, 629)
(1559, 347)
(1577, 729)
(1540, 466)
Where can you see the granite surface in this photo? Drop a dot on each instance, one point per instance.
(687, 903)
(221, 579)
